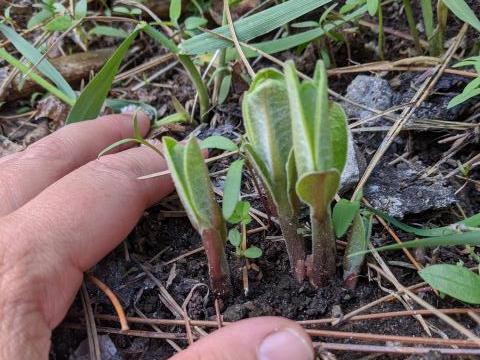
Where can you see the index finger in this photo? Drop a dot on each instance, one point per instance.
(25, 174)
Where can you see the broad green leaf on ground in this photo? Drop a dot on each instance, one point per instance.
(91, 100)
(231, 189)
(218, 142)
(35, 57)
(292, 41)
(456, 281)
(252, 26)
(358, 237)
(373, 6)
(461, 10)
(342, 216)
(39, 18)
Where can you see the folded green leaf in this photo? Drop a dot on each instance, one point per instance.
(252, 26)
(92, 98)
(358, 237)
(252, 252)
(456, 281)
(231, 190)
(343, 214)
(317, 189)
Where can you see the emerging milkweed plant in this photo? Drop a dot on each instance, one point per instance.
(320, 143)
(266, 114)
(190, 175)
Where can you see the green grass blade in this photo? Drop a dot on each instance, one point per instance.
(461, 10)
(289, 42)
(473, 221)
(427, 12)
(34, 56)
(35, 77)
(92, 98)
(252, 26)
(231, 189)
(465, 238)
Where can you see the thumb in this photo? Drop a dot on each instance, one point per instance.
(263, 338)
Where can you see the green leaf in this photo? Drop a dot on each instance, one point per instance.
(234, 237)
(267, 122)
(292, 41)
(241, 213)
(80, 9)
(171, 119)
(473, 221)
(92, 98)
(456, 281)
(357, 242)
(427, 12)
(194, 22)
(252, 26)
(317, 189)
(118, 105)
(465, 238)
(218, 142)
(35, 57)
(175, 10)
(39, 18)
(339, 136)
(373, 6)
(252, 252)
(461, 10)
(60, 23)
(231, 189)
(464, 96)
(343, 214)
(101, 30)
(224, 88)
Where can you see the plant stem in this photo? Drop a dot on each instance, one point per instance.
(214, 244)
(412, 25)
(381, 33)
(323, 264)
(294, 243)
(197, 80)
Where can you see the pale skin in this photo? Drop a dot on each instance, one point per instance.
(62, 210)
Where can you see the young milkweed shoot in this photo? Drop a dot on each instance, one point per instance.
(320, 146)
(269, 148)
(190, 175)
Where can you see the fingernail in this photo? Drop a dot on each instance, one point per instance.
(286, 344)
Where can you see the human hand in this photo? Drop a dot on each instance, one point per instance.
(62, 210)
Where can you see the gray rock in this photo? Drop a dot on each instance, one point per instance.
(355, 164)
(235, 312)
(399, 190)
(370, 91)
(108, 350)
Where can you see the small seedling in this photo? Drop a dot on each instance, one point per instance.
(266, 113)
(235, 238)
(190, 175)
(320, 146)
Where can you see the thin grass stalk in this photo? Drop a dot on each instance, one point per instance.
(439, 35)
(221, 64)
(196, 78)
(322, 267)
(381, 33)
(412, 25)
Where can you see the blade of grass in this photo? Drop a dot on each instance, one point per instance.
(35, 56)
(92, 98)
(252, 26)
(35, 77)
